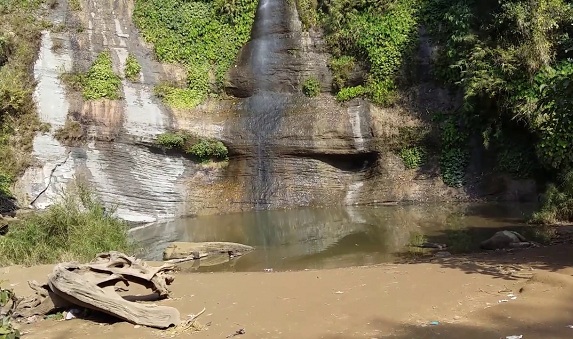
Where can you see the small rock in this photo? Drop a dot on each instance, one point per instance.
(443, 254)
(137, 326)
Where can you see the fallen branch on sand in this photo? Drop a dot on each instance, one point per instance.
(92, 286)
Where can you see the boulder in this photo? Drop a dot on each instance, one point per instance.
(505, 239)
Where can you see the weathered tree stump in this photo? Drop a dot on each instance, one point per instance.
(92, 286)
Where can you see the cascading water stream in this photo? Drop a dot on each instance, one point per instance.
(265, 108)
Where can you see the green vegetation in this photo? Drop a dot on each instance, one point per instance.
(454, 156)
(7, 331)
(98, 82)
(78, 228)
(75, 5)
(19, 42)
(341, 69)
(348, 93)
(132, 68)
(307, 12)
(205, 36)
(206, 149)
(379, 34)
(202, 148)
(557, 204)
(72, 133)
(179, 97)
(311, 87)
(413, 157)
(512, 61)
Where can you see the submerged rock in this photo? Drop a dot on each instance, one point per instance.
(181, 250)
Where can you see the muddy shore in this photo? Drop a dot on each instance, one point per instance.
(468, 297)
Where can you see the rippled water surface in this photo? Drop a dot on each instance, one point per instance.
(332, 237)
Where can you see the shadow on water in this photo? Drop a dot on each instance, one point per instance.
(334, 237)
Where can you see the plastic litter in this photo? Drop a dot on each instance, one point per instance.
(71, 314)
(514, 336)
(268, 270)
(434, 323)
(570, 326)
(503, 301)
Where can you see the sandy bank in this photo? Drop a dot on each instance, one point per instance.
(364, 302)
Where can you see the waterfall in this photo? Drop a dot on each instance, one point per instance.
(266, 107)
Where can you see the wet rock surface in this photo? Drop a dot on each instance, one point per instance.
(286, 150)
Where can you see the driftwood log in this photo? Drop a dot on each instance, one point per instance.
(183, 251)
(92, 286)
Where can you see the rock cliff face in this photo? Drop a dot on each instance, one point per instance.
(286, 150)
(142, 184)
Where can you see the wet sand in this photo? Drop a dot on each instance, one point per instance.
(390, 300)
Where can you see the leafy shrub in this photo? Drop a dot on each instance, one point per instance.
(454, 154)
(516, 160)
(19, 41)
(341, 69)
(205, 149)
(307, 12)
(78, 228)
(413, 157)
(348, 93)
(5, 182)
(380, 34)
(7, 331)
(179, 97)
(71, 133)
(171, 140)
(311, 87)
(382, 92)
(132, 68)
(73, 81)
(557, 203)
(202, 148)
(100, 81)
(553, 120)
(6, 48)
(205, 36)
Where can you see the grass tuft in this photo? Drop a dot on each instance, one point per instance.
(77, 228)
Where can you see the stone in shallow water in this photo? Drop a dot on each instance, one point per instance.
(180, 250)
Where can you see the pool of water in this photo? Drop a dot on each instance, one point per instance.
(332, 237)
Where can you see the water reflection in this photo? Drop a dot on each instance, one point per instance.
(330, 237)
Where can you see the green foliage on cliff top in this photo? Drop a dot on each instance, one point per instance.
(19, 41)
(205, 36)
(78, 228)
(380, 34)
